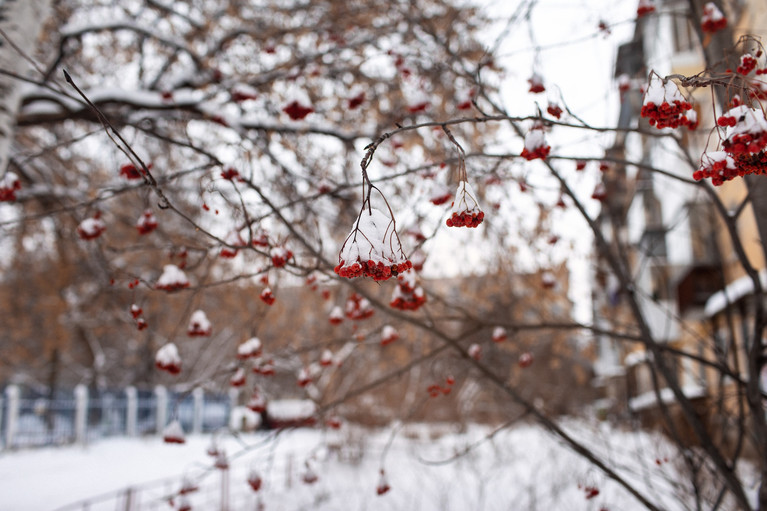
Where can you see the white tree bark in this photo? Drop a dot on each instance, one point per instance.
(21, 22)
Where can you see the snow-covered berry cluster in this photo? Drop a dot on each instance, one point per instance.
(665, 106)
(554, 110)
(9, 185)
(336, 316)
(233, 242)
(747, 64)
(645, 7)
(199, 325)
(536, 84)
(535, 144)
(465, 211)
(499, 334)
(280, 256)
(408, 295)
(358, 307)
(172, 279)
(297, 111)
(713, 19)
(744, 144)
(372, 248)
(168, 359)
(91, 228)
(388, 335)
(146, 223)
(173, 433)
(267, 296)
(249, 349)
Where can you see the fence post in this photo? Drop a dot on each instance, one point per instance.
(161, 393)
(199, 401)
(81, 413)
(12, 393)
(131, 411)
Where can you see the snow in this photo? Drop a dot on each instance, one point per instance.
(91, 227)
(465, 200)
(291, 409)
(168, 355)
(749, 121)
(429, 468)
(711, 12)
(173, 431)
(534, 139)
(373, 239)
(172, 276)
(649, 399)
(199, 322)
(659, 92)
(734, 291)
(250, 348)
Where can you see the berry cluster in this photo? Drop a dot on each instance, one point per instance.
(600, 192)
(383, 485)
(91, 228)
(254, 480)
(440, 194)
(388, 335)
(536, 84)
(535, 144)
(280, 256)
(336, 316)
(407, 296)
(475, 351)
(372, 249)
(645, 7)
(296, 111)
(525, 359)
(358, 307)
(231, 174)
(233, 240)
(238, 378)
(499, 334)
(130, 172)
(435, 389)
(257, 402)
(9, 185)
(173, 433)
(747, 64)
(172, 279)
(249, 349)
(712, 20)
(136, 312)
(665, 106)
(267, 296)
(744, 144)
(146, 222)
(199, 325)
(168, 359)
(465, 210)
(554, 110)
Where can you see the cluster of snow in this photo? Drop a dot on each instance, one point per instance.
(748, 121)
(168, 356)
(465, 200)
(659, 92)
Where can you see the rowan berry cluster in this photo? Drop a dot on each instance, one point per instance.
(645, 7)
(9, 185)
(665, 106)
(146, 223)
(712, 20)
(358, 307)
(535, 144)
(465, 211)
(372, 249)
(407, 296)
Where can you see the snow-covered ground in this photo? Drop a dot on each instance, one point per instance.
(428, 468)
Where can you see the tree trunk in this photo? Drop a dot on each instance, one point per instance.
(21, 21)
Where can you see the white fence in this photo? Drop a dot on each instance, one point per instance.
(29, 419)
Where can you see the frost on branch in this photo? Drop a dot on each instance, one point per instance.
(199, 325)
(744, 144)
(168, 359)
(9, 185)
(712, 20)
(465, 211)
(172, 279)
(665, 106)
(91, 228)
(372, 248)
